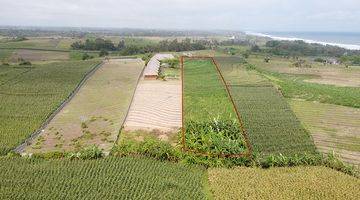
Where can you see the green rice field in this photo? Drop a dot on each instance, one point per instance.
(271, 124)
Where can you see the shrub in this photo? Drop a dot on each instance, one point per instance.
(320, 60)
(217, 136)
(103, 53)
(333, 161)
(24, 62)
(92, 152)
(150, 148)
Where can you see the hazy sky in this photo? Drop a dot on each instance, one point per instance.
(252, 15)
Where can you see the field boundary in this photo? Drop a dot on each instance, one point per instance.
(130, 104)
(21, 147)
(248, 153)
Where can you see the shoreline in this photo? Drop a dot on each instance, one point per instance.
(345, 46)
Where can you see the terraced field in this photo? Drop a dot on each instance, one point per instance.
(334, 128)
(110, 178)
(28, 95)
(282, 183)
(272, 126)
(156, 106)
(96, 113)
(211, 123)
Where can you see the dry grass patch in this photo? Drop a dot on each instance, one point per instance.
(318, 73)
(34, 55)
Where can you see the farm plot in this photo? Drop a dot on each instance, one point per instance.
(109, 178)
(34, 43)
(28, 95)
(211, 124)
(96, 113)
(334, 128)
(34, 55)
(272, 126)
(282, 183)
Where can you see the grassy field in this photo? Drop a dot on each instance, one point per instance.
(95, 115)
(333, 127)
(272, 127)
(110, 178)
(28, 95)
(282, 183)
(210, 120)
(294, 87)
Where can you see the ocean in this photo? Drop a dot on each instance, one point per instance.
(342, 39)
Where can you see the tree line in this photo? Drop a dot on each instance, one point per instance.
(100, 44)
(300, 48)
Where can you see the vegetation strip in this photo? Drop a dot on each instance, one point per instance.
(248, 152)
(21, 147)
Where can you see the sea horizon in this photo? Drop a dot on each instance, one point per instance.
(347, 40)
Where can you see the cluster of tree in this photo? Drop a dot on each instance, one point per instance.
(238, 42)
(350, 60)
(100, 44)
(300, 48)
(94, 45)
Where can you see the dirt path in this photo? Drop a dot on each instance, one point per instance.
(95, 114)
(156, 105)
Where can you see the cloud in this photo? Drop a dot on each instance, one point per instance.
(186, 14)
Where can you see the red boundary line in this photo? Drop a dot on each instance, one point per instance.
(243, 130)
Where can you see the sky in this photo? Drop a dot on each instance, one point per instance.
(244, 15)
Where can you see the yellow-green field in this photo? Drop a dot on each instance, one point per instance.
(333, 127)
(282, 183)
(95, 115)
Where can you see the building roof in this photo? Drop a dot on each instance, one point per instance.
(152, 68)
